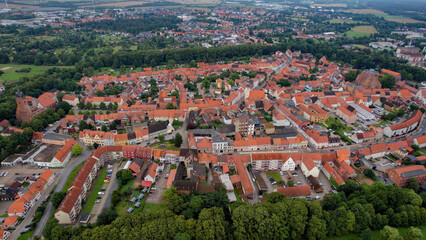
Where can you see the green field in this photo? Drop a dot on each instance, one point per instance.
(166, 145)
(94, 194)
(349, 21)
(71, 177)
(361, 31)
(11, 75)
(375, 235)
(152, 207)
(275, 175)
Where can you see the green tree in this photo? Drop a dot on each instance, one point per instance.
(413, 184)
(57, 198)
(71, 112)
(77, 150)
(88, 105)
(387, 81)
(161, 138)
(366, 234)
(211, 224)
(316, 228)
(124, 176)
(106, 217)
(81, 105)
(173, 201)
(369, 173)
(93, 112)
(178, 140)
(390, 233)
(413, 234)
(170, 106)
(102, 105)
(290, 183)
(37, 125)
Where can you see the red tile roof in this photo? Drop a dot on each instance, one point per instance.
(297, 191)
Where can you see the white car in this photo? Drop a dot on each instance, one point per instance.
(97, 201)
(101, 193)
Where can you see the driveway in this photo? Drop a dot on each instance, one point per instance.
(157, 195)
(268, 183)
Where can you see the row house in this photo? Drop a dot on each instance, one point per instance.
(22, 205)
(70, 207)
(272, 161)
(252, 144)
(404, 127)
(63, 155)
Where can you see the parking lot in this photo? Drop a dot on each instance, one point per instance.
(20, 170)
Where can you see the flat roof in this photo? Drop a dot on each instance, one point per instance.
(56, 136)
(48, 153)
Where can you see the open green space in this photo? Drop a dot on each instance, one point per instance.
(71, 177)
(349, 21)
(10, 73)
(275, 175)
(375, 235)
(26, 236)
(94, 194)
(166, 145)
(382, 123)
(361, 31)
(152, 207)
(337, 125)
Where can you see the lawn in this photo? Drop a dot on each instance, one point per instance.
(71, 177)
(237, 196)
(152, 207)
(375, 235)
(177, 124)
(381, 124)
(338, 124)
(94, 194)
(26, 236)
(166, 145)
(275, 175)
(361, 31)
(11, 75)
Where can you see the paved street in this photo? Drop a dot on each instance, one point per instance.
(63, 177)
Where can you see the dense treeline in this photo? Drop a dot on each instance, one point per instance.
(149, 22)
(54, 78)
(354, 209)
(364, 59)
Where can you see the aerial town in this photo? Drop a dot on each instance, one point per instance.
(205, 119)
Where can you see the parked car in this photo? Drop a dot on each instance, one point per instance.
(107, 178)
(137, 204)
(101, 193)
(144, 189)
(133, 200)
(99, 198)
(106, 181)
(97, 201)
(7, 173)
(109, 172)
(130, 210)
(141, 196)
(103, 189)
(153, 188)
(281, 173)
(332, 187)
(295, 174)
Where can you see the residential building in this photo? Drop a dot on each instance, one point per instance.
(402, 175)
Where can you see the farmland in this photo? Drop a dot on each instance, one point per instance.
(361, 31)
(378, 13)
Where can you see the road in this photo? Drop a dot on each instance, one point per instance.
(63, 177)
(27, 220)
(107, 197)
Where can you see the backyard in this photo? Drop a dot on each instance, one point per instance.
(276, 176)
(166, 145)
